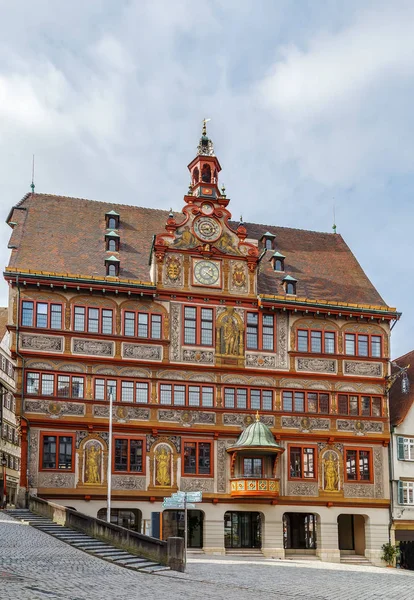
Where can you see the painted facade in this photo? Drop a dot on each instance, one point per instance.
(227, 323)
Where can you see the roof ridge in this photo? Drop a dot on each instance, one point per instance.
(403, 356)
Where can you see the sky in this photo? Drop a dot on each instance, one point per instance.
(311, 108)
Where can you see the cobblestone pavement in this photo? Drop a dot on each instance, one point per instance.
(36, 566)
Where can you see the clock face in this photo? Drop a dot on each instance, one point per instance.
(206, 272)
(207, 229)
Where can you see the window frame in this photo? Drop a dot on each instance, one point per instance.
(186, 386)
(150, 325)
(86, 319)
(144, 454)
(358, 449)
(409, 484)
(309, 332)
(118, 392)
(356, 337)
(49, 304)
(57, 435)
(260, 331)
(198, 329)
(306, 393)
(248, 390)
(404, 442)
(55, 375)
(303, 447)
(197, 441)
(359, 399)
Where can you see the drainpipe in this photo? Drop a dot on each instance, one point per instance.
(23, 363)
(391, 471)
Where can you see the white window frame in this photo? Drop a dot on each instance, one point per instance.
(406, 487)
(405, 448)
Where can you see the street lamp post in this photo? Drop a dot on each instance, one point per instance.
(109, 471)
(4, 464)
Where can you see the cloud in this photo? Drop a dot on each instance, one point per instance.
(309, 102)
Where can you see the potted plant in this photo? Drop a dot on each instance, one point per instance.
(389, 553)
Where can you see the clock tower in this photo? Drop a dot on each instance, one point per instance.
(200, 249)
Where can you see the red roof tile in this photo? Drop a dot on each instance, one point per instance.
(67, 235)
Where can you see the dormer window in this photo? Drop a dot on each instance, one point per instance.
(290, 285)
(112, 220)
(278, 262)
(112, 241)
(112, 266)
(267, 239)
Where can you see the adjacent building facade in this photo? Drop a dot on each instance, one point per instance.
(402, 451)
(201, 328)
(9, 425)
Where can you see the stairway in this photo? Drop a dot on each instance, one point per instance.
(86, 543)
(355, 559)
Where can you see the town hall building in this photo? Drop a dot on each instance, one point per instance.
(243, 360)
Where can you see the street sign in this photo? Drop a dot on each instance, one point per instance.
(178, 495)
(194, 496)
(173, 505)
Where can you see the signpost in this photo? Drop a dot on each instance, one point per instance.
(183, 501)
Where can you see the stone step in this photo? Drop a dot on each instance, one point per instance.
(155, 569)
(92, 548)
(112, 555)
(138, 564)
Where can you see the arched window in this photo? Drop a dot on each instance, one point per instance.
(112, 245)
(268, 244)
(111, 223)
(206, 174)
(112, 270)
(278, 265)
(196, 176)
(290, 288)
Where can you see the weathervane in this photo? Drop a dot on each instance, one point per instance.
(205, 121)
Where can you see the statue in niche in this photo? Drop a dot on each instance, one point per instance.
(93, 464)
(162, 457)
(230, 330)
(330, 469)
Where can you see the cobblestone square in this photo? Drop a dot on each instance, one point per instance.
(36, 566)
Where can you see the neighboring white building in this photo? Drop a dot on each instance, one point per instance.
(402, 452)
(9, 436)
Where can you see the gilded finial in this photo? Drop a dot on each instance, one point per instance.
(257, 417)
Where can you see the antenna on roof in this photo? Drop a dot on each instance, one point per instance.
(32, 185)
(334, 226)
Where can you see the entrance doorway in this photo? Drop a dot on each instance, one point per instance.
(173, 526)
(242, 529)
(351, 534)
(299, 531)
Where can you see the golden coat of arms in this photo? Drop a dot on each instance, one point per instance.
(173, 268)
(239, 276)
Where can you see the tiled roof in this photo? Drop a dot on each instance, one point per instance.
(3, 321)
(401, 403)
(58, 234)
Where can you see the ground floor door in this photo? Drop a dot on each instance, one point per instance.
(242, 529)
(351, 534)
(299, 531)
(173, 526)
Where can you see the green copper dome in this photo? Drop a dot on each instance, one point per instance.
(256, 436)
